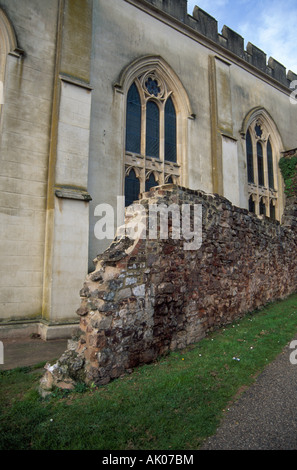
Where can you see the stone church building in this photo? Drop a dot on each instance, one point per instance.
(107, 98)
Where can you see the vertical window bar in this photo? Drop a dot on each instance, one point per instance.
(170, 131)
(133, 120)
(152, 130)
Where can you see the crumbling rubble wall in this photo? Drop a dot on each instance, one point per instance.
(149, 296)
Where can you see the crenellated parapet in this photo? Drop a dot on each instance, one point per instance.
(206, 25)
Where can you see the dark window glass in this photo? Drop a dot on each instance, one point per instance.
(152, 129)
(260, 164)
(133, 120)
(249, 158)
(272, 211)
(170, 180)
(251, 205)
(170, 131)
(262, 207)
(152, 86)
(132, 188)
(270, 165)
(258, 130)
(151, 182)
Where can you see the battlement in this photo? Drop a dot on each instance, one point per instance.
(206, 25)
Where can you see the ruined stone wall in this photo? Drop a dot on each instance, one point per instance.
(146, 297)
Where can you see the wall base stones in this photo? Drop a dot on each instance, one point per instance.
(149, 296)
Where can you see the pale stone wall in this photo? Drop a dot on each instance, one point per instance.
(25, 130)
(67, 223)
(45, 123)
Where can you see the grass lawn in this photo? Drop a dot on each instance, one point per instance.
(172, 404)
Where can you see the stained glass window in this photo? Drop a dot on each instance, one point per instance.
(249, 158)
(262, 207)
(152, 87)
(261, 171)
(151, 182)
(152, 129)
(251, 204)
(272, 211)
(133, 120)
(270, 165)
(132, 188)
(151, 135)
(260, 164)
(258, 130)
(170, 131)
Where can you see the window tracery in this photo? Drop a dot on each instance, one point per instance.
(261, 165)
(151, 133)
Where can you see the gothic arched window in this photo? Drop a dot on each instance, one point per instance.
(133, 120)
(260, 164)
(261, 177)
(249, 158)
(155, 136)
(152, 130)
(132, 188)
(270, 165)
(251, 204)
(170, 131)
(150, 182)
(262, 206)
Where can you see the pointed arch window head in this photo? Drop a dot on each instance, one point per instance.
(150, 182)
